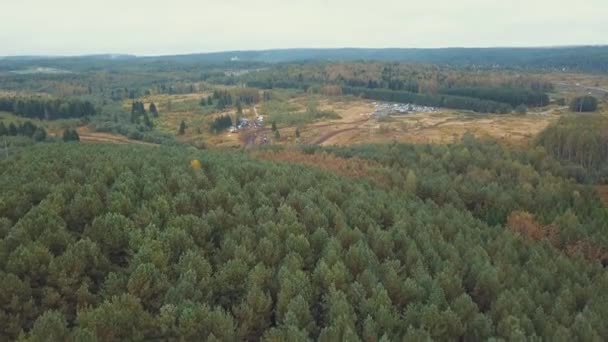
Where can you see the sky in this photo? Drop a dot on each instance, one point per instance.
(152, 27)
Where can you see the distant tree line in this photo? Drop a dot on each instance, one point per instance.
(26, 128)
(447, 101)
(47, 108)
(284, 84)
(512, 96)
(406, 85)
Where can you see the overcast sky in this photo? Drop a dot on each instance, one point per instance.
(150, 27)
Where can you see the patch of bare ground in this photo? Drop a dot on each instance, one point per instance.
(88, 136)
(352, 167)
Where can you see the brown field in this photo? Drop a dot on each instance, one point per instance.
(356, 126)
(444, 127)
(88, 136)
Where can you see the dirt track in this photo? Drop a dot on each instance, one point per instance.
(330, 135)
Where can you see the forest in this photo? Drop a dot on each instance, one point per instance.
(131, 243)
(133, 209)
(512, 96)
(580, 140)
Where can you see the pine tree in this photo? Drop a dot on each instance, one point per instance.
(410, 182)
(239, 107)
(70, 134)
(12, 129)
(182, 128)
(39, 134)
(153, 109)
(147, 122)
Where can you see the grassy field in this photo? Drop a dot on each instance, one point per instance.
(343, 121)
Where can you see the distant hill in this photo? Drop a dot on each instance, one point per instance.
(590, 58)
(580, 58)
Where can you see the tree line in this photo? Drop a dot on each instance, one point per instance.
(447, 101)
(27, 128)
(47, 108)
(512, 96)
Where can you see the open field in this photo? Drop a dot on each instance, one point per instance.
(88, 136)
(350, 123)
(442, 127)
(356, 126)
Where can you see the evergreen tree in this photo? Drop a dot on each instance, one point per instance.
(70, 134)
(40, 134)
(239, 107)
(182, 128)
(153, 110)
(27, 128)
(12, 129)
(147, 122)
(411, 182)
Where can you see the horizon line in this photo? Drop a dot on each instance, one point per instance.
(42, 55)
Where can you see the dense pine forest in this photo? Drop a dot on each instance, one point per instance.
(132, 243)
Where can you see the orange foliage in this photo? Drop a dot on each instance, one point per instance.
(588, 250)
(523, 223)
(603, 192)
(353, 167)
